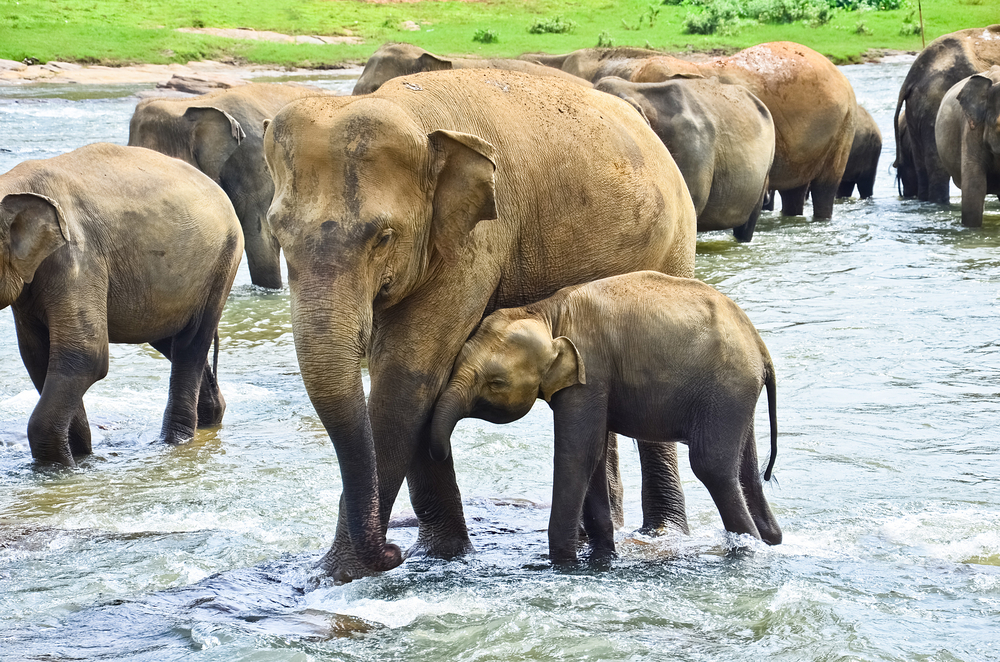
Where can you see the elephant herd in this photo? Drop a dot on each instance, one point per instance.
(470, 229)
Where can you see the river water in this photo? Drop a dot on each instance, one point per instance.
(883, 325)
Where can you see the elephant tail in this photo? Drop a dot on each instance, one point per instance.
(904, 92)
(215, 355)
(772, 410)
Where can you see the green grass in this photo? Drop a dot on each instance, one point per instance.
(133, 31)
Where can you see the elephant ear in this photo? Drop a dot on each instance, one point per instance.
(462, 167)
(566, 369)
(973, 99)
(216, 136)
(431, 62)
(36, 228)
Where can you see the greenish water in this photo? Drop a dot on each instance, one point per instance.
(883, 325)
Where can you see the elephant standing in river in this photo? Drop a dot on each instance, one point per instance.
(220, 133)
(406, 216)
(393, 60)
(862, 164)
(946, 60)
(811, 102)
(722, 138)
(114, 244)
(645, 355)
(968, 140)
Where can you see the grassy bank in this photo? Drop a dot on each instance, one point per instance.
(133, 31)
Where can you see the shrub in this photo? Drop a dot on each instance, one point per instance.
(605, 40)
(557, 25)
(486, 36)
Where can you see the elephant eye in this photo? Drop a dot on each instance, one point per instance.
(497, 382)
(383, 240)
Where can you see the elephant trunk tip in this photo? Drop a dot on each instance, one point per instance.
(390, 557)
(439, 451)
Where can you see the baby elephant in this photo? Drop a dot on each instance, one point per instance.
(114, 244)
(645, 355)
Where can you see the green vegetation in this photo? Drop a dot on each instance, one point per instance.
(130, 31)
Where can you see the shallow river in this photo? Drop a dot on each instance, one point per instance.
(883, 325)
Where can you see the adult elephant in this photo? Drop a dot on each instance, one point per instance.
(392, 60)
(811, 101)
(968, 140)
(406, 216)
(862, 164)
(114, 244)
(594, 64)
(722, 138)
(221, 133)
(946, 60)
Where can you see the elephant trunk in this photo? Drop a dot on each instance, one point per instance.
(451, 407)
(330, 344)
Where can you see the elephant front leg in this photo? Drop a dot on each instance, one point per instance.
(662, 493)
(793, 201)
(823, 195)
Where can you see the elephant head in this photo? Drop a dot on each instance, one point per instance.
(980, 99)
(32, 227)
(202, 136)
(393, 60)
(508, 364)
(367, 205)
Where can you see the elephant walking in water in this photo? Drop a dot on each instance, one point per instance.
(645, 355)
(406, 216)
(114, 244)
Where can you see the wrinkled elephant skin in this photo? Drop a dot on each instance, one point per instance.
(221, 134)
(114, 244)
(407, 215)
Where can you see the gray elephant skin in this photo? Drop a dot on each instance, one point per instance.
(968, 140)
(406, 216)
(946, 60)
(221, 134)
(114, 244)
(811, 102)
(862, 164)
(645, 355)
(722, 138)
(392, 60)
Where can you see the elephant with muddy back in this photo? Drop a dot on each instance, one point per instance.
(722, 138)
(221, 134)
(811, 102)
(406, 216)
(114, 244)
(946, 60)
(392, 60)
(968, 140)
(645, 355)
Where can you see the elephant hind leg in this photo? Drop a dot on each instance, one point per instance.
(79, 433)
(744, 233)
(720, 473)
(823, 195)
(760, 510)
(188, 354)
(793, 201)
(845, 190)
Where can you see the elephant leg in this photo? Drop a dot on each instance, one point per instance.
(823, 195)
(662, 494)
(211, 404)
(933, 181)
(769, 200)
(753, 491)
(597, 513)
(79, 433)
(866, 185)
(744, 233)
(720, 473)
(188, 354)
(793, 201)
(437, 503)
(580, 423)
(844, 190)
(616, 493)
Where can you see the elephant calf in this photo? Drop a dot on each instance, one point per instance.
(646, 355)
(114, 244)
(968, 140)
(862, 164)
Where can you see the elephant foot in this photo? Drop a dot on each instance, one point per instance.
(211, 408)
(344, 566)
(79, 436)
(176, 435)
(450, 547)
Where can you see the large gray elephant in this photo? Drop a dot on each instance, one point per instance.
(645, 355)
(406, 216)
(114, 244)
(946, 60)
(968, 140)
(220, 133)
(722, 138)
(392, 60)
(862, 164)
(812, 105)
